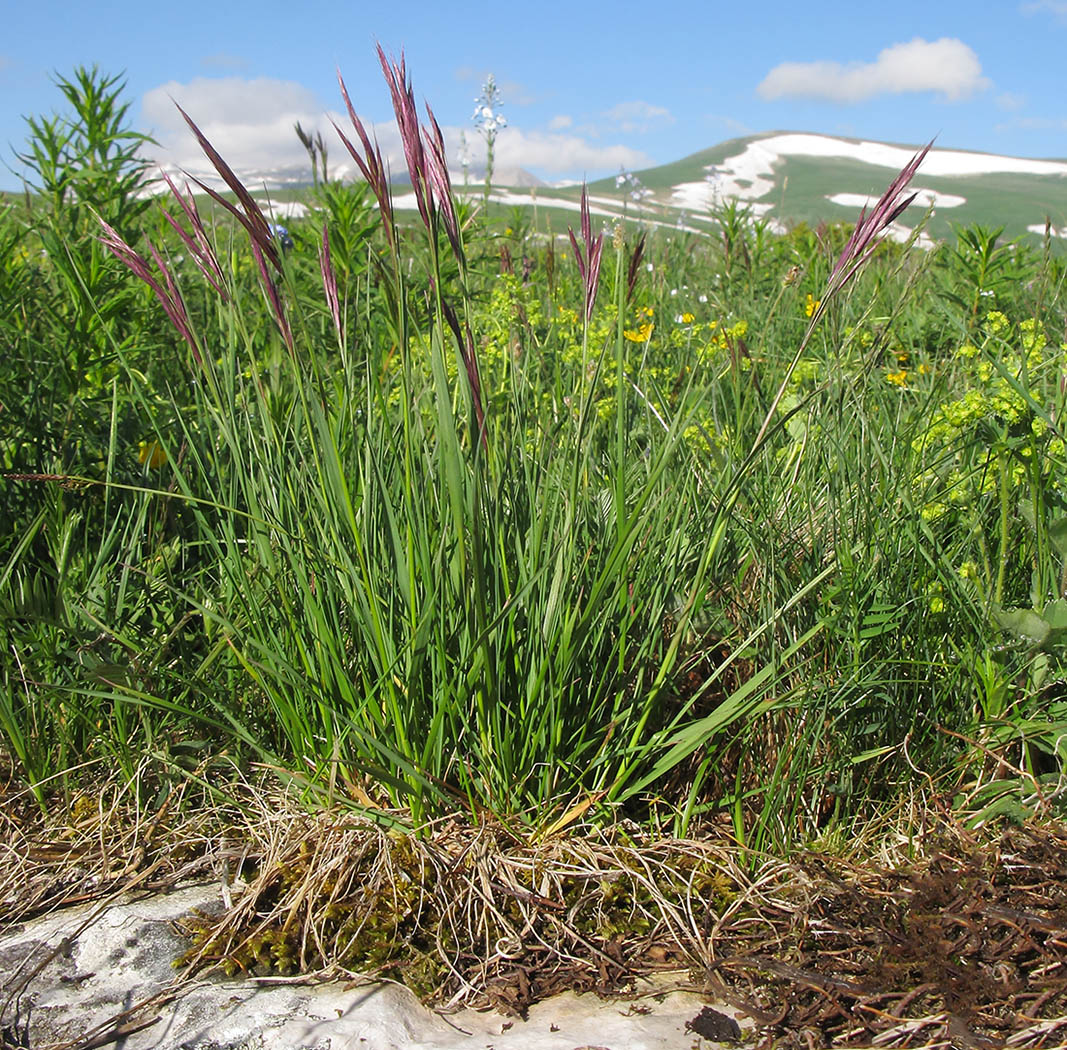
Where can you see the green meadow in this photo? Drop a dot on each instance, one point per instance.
(442, 514)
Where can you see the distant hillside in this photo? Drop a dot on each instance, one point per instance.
(796, 177)
(785, 178)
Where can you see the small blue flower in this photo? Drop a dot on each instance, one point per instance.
(281, 235)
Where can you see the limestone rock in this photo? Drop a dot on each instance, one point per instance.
(102, 968)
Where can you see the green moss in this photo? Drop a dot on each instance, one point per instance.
(397, 920)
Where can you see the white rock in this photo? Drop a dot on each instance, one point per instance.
(125, 954)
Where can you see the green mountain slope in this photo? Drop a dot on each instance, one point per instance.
(786, 185)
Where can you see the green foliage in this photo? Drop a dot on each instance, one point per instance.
(683, 567)
(979, 269)
(347, 210)
(67, 304)
(88, 160)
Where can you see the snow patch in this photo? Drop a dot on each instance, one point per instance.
(900, 233)
(936, 162)
(407, 202)
(1054, 231)
(284, 209)
(749, 175)
(923, 198)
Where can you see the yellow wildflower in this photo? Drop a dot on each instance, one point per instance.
(639, 335)
(151, 452)
(996, 321)
(811, 304)
(688, 318)
(899, 378)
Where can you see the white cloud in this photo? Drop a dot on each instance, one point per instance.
(228, 100)
(559, 122)
(221, 60)
(1054, 7)
(550, 152)
(559, 154)
(946, 66)
(1010, 101)
(250, 122)
(638, 116)
(1032, 124)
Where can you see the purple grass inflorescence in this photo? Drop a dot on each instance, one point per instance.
(167, 292)
(589, 261)
(864, 237)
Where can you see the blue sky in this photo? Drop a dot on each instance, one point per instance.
(587, 87)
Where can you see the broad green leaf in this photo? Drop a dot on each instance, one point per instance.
(1055, 614)
(1057, 533)
(1025, 624)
